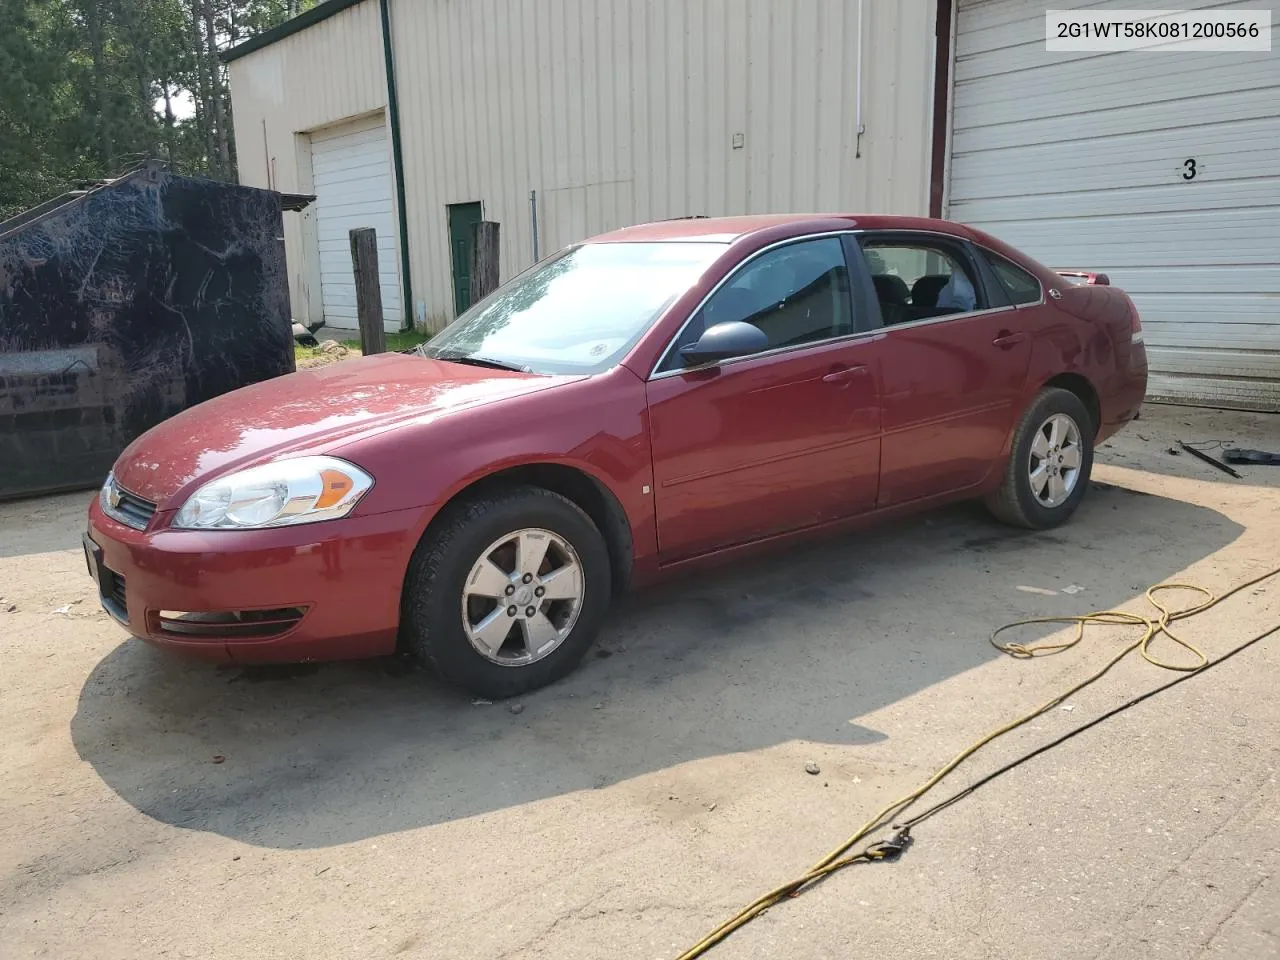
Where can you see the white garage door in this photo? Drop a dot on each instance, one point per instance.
(1160, 169)
(351, 165)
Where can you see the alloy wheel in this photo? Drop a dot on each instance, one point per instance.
(522, 597)
(1054, 464)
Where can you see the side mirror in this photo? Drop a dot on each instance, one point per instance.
(724, 341)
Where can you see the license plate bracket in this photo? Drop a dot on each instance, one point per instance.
(107, 581)
(93, 559)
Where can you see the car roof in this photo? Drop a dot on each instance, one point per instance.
(730, 229)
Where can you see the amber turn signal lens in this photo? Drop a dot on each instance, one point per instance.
(336, 486)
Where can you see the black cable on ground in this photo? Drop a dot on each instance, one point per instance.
(890, 849)
(1000, 771)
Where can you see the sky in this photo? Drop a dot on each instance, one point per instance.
(184, 105)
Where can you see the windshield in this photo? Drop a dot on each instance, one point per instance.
(578, 312)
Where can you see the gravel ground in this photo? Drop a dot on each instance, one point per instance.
(151, 807)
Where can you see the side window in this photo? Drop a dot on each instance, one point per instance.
(796, 294)
(1021, 286)
(917, 280)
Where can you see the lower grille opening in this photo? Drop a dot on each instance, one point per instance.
(230, 624)
(114, 597)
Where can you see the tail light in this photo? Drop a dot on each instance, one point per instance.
(1135, 321)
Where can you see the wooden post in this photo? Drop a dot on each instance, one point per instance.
(364, 261)
(484, 259)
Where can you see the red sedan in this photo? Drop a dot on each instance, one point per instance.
(641, 403)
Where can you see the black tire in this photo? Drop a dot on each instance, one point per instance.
(431, 614)
(1015, 502)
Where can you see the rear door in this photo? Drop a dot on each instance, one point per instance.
(777, 441)
(956, 356)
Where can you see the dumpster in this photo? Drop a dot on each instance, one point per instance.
(124, 303)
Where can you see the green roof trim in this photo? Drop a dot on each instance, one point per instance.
(308, 18)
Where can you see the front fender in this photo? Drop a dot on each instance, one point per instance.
(598, 426)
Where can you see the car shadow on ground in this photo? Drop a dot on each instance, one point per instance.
(795, 647)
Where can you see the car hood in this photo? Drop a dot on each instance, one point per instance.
(307, 412)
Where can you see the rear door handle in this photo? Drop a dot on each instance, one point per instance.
(845, 375)
(1006, 339)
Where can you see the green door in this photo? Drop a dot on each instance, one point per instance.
(462, 217)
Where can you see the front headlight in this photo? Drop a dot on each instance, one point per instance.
(276, 495)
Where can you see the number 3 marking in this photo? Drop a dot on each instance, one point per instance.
(1190, 173)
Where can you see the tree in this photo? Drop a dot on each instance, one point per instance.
(218, 95)
(89, 88)
(44, 125)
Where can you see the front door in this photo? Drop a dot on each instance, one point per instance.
(955, 366)
(778, 441)
(462, 220)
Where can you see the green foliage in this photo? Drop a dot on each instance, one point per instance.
(42, 118)
(396, 342)
(83, 87)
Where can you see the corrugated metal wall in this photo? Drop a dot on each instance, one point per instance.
(330, 72)
(614, 111)
(623, 111)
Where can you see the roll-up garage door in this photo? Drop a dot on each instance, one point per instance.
(1160, 169)
(351, 167)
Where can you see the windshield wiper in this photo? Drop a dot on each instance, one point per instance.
(478, 361)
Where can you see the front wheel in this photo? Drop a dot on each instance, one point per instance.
(507, 592)
(1049, 463)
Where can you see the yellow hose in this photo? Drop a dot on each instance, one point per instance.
(1153, 627)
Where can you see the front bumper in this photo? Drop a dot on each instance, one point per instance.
(342, 577)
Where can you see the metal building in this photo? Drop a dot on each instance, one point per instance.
(563, 118)
(586, 114)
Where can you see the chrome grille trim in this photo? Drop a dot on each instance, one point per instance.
(125, 507)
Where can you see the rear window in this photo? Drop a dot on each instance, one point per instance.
(1021, 286)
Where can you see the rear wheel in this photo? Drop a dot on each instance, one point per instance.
(1049, 463)
(507, 591)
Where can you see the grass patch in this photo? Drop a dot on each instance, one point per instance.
(303, 353)
(401, 340)
(404, 340)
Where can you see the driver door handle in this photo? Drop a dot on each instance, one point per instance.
(845, 375)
